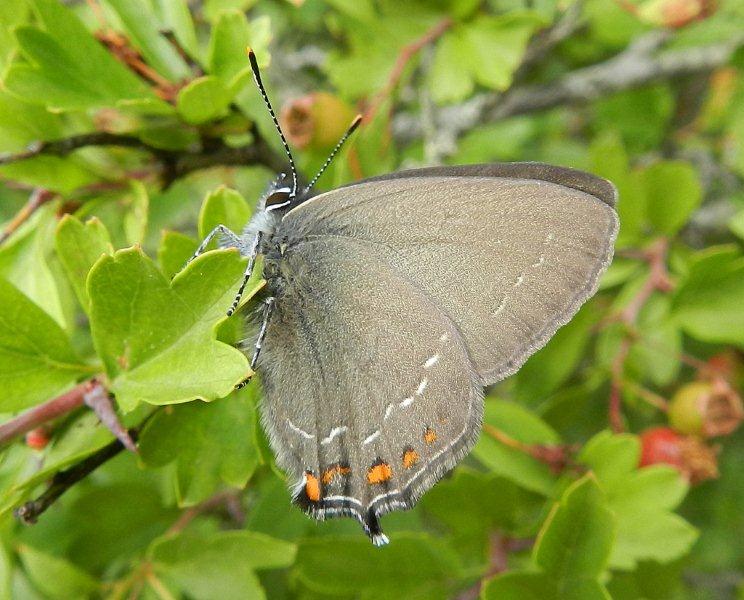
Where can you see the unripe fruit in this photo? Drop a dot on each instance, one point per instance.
(706, 408)
(316, 121)
(687, 407)
(674, 13)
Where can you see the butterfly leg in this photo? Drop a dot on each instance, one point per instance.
(247, 273)
(233, 240)
(268, 309)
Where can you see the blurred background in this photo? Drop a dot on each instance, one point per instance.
(611, 465)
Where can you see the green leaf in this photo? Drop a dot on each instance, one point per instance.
(673, 192)
(22, 123)
(71, 70)
(409, 564)
(6, 573)
(231, 35)
(174, 250)
(177, 17)
(612, 458)
(37, 360)
(651, 534)
(577, 537)
(24, 262)
(79, 246)
(549, 368)
(157, 339)
(641, 500)
(487, 50)
(213, 9)
(135, 218)
(448, 80)
(81, 438)
(203, 99)
(510, 463)
(707, 303)
(12, 14)
(361, 10)
(125, 214)
(736, 224)
(56, 577)
(484, 502)
(141, 27)
(571, 552)
(640, 115)
(63, 175)
(659, 344)
(221, 565)
(609, 159)
(210, 444)
(497, 45)
(520, 586)
(226, 207)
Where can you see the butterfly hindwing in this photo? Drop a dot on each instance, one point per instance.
(370, 395)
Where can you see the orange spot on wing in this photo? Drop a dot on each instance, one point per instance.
(410, 457)
(334, 470)
(312, 487)
(379, 472)
(430, 436)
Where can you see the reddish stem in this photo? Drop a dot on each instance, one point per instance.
(48, 411)
(556, 457)
(658, 280)
(404, 57)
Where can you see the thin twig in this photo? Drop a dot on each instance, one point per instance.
(225, 497)
(43, 413)
(64, 146)
(38, 198)
(62, 481)
(404, 57)
(158, 586)
(657, 280)
(175, 164)
(545, 41)
(646, 395)
(557, 457)
(638, 65)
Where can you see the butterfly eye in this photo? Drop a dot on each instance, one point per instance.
(278, 199)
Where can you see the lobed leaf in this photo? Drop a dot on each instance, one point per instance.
(571, 552)
(210, 444)
(221, 565)
(79, 246)
(37, 360)
(156, 338)
(707, 303)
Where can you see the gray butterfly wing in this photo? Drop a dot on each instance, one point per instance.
(369, 393)
(399, 298)
(508, 252)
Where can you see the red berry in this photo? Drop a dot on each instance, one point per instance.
(37, 438)
(661, 445)
(688, 454)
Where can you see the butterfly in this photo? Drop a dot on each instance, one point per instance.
(394, 300)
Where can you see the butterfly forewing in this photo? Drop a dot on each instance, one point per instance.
(508, 252)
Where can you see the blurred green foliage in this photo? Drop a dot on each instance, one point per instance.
(551, 503)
